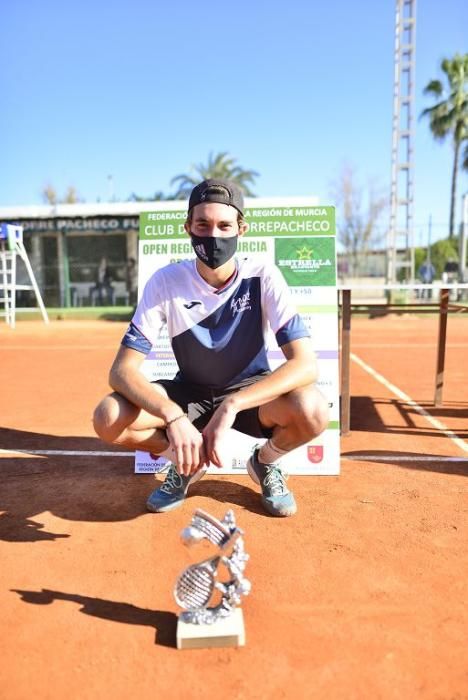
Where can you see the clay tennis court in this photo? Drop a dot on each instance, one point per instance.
(362, 595)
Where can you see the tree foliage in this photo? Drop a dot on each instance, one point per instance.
(50, 195)
(440, 252)
(358, 211)
(448, 117)
(220, 165)
(156, 197)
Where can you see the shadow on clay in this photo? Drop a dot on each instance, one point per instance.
(86, 488)
(164, 622)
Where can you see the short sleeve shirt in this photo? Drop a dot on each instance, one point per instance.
(218, 336)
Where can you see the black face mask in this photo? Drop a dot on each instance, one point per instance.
(214, 251)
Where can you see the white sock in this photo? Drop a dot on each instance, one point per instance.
(269, 453)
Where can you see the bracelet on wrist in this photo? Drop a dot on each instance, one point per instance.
(173, 420)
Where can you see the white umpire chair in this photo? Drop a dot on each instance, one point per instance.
(12, 247)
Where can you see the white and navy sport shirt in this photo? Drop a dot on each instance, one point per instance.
(218, 336)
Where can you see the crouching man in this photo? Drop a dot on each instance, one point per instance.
(217, 308)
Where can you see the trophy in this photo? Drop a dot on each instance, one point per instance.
(221, 624)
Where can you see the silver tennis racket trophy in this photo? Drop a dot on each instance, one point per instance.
(221, 624)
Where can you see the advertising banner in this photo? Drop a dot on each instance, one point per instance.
(300, 239)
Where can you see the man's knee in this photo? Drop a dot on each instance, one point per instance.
(320, 414)
(108, 420)
(310, 412)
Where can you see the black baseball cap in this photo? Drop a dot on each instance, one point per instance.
(221, 191)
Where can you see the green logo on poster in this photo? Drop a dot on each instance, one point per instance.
(306, 262)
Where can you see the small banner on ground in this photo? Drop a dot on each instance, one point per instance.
(300, 239)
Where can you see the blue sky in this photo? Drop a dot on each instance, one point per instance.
(143, 90)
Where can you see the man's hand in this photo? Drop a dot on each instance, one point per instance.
(221, 420)
(187, 443)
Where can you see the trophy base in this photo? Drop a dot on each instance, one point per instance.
(226, 632)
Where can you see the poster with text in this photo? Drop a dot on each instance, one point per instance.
(299, 238)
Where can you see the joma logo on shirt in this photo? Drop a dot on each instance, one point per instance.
(241, 304)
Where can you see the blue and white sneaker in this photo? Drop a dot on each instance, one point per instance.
(172, 492)
(276, 497)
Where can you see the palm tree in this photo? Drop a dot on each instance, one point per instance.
(449, 116)
(221, 166)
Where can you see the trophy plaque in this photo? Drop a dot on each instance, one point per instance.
(210, 600)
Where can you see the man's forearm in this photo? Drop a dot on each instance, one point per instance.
(132, 384)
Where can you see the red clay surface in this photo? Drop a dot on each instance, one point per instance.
(362, 595)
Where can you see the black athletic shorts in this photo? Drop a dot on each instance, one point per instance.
(199, 403)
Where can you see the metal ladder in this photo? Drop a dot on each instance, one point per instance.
(7, 277)
(8, 285)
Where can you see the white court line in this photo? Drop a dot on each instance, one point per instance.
(402, 458)
(69, 453)
(357, 458)
(61, 347)
(387, 346)
(407, 399)
(391, 345)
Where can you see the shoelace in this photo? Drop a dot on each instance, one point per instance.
(275, 480)
(173, 480)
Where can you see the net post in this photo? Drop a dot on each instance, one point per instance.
(441, 343)
(345, 359)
